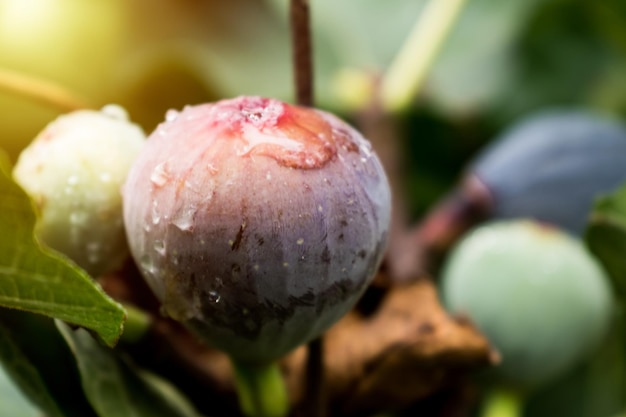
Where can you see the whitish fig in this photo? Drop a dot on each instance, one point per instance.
(536, 293)
(73, 171)
(552, 165)
(256, 223)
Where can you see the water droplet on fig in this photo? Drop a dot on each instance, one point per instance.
(300, 241)
(184, 218)
(171, 115)
(214, 296)
(159, 247)
(156, 216)
(160, 175)
(147, 265)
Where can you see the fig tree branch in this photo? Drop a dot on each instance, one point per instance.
(302, 51)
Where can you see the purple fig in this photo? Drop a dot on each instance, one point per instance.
(257, 223)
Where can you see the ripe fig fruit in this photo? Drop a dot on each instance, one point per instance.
(536, 293)
(73, 171)
(257, 223)
(551, 165)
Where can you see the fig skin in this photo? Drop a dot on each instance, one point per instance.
(537, 294)
(73, 171)
(257, 223)
(551, 166)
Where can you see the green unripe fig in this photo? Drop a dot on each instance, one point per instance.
(536, 293)
(73, 171)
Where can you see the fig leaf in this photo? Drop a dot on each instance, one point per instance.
(39, 280)
(118, 389)
(606, 236)
(41, 366)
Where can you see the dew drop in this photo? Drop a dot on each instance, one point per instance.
(171, 115)
(160, 175)
(300, 241)
(159, 247)
(184, 219)
(156, 216)
(214, 296)
(146, 264)
(115, 112)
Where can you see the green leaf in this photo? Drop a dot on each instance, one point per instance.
(606, 236)
(37, 359)
(116, 388)
(13, 401)
(478, 61)
(38, 280)
(26, 374)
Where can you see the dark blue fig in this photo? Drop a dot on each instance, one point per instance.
(552, 165)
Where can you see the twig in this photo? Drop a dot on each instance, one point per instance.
(302, 51)
(314, 394)
(407, 72)
(39, 90)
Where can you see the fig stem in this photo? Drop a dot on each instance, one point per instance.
(39, 90)
(314, 404)
(137, 324)
(300, 18)
(302, 51)
(406, 74)
(261, 389)
(503, 402)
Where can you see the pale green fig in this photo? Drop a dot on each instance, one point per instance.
(536, 292)
(73, 171)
